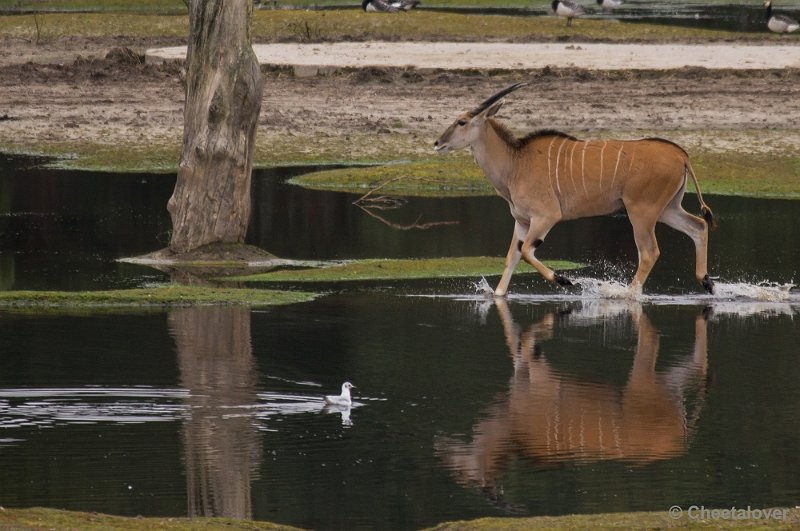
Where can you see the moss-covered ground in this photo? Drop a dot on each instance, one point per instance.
(38, 519)
(380, 269)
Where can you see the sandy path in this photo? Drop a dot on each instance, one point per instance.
(512, 56)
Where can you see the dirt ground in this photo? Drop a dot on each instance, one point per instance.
(100, 91)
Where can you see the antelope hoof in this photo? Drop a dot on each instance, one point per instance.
(708, 283)
(561, 280)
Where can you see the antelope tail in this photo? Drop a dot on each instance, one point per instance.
(705, 210)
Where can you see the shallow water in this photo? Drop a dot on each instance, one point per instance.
(554, 402)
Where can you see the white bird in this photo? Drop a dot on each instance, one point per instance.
(568, 9)
(342, 399)
(609, 5)
(779, 23)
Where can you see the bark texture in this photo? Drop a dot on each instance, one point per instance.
(211, 201)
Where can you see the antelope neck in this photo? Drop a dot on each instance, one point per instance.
(495, 157)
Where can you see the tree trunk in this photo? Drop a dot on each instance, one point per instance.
(211, 201)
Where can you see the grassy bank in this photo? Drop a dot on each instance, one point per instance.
(173, 295)
(354, 24)
(399, 270)
(765, 175)
(41, 519)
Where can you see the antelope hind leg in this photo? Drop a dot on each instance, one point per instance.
(697, 229)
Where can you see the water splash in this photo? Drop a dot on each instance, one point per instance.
(592, 288)
(482, 287)
(763, 291)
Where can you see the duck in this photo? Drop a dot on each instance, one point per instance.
(609, 5)
(343, 399)
(779, 23)
(568, 9)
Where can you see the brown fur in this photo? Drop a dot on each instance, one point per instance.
(551, 417)
(549, 176)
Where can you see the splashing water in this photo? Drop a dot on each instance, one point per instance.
(483, 287)
(593, 288)
(763, 291)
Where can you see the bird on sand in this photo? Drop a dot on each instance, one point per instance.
(568, 9)
(342, 399)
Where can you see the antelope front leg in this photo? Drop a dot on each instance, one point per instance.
(512, 259)
(536, 233)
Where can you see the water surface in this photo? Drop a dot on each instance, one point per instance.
(555, 402)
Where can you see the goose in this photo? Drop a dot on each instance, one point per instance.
(387, 6)
(342, 399)
(568, 9)
(609, 5)
(405, 5)
(779, 23)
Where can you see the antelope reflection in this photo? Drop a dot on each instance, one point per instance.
(222, 448)
(551, 417)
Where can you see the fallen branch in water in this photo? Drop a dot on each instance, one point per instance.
(367, 203)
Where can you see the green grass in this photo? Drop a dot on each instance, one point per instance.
(447, 176)
(641, 521)
(38, 519)
(173, 295)
(53, 26)
(380, 269)
(140, 6)
(420, 26)
(726, 173)
(749, 174)
(337, 25)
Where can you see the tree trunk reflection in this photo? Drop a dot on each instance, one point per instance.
(222, 448)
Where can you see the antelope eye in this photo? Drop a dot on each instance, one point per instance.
(462, 122)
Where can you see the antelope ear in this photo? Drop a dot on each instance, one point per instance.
(491, 111)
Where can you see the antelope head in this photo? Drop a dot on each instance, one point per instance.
(465, 131)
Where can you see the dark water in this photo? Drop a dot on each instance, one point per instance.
(549, 404)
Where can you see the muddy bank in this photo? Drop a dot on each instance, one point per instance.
(108, 97)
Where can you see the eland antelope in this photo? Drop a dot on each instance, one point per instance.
(549, 176)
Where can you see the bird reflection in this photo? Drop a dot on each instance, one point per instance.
(551, 417)
(344, 411)
(222, 447)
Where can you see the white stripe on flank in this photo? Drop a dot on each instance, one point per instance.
(605, 143)
(616, 166)
(571, 164)
(633, 154)
(549, 170)
(558, 159)
(583, 168)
